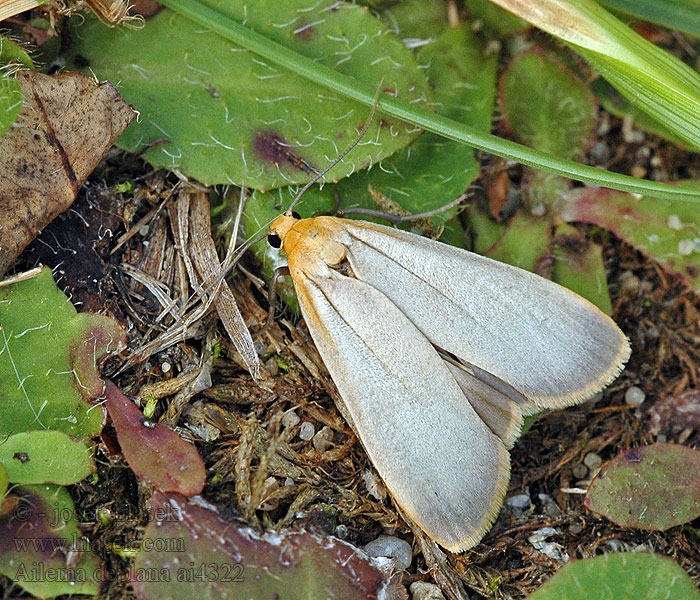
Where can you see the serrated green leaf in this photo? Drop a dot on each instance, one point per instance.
(47, 360)
(546, 105)
(45, 457)
(232, 117)
(619, 576)
(652, 487)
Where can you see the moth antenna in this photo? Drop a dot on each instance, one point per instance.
(396, 219)
(343, 154)
(272, 299)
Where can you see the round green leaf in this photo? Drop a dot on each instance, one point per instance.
(546, 105)
(45, 457)
(619, 576)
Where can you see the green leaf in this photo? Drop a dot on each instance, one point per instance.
(38, 536)
(546, 105)
(10, 52)
(45, 457)
(4, 483)
(578, 266)
(526, 243)
(48, 354)
(233, 117)
(619, 576)
(664, 230)
(680, 15)
(434, 171)
(415, 19)
(495, 18)
(652, 487)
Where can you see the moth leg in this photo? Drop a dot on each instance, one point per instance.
(272, 299)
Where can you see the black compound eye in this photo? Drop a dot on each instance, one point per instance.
(274, 240)
(296, 215)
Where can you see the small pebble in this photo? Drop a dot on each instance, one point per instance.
(554, 550)
(290, 419)
(422, 590)
(629, 281)
(686, 247)
(165, 367)
(323, 439)
(580, 471)
(634, 396)
(391, 547)
(549, 505)
(600, 153)
(288, 481)
(592, 461)
(674, 222)
(575, 528)
(519, 504)
(272, 367)
(630, 134)
(341, 531)
(306, 431)
(638, 171)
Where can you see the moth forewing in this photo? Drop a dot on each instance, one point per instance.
(543, 340)
(442, 464)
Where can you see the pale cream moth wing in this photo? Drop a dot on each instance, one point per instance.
(499, 406)
(546, 342)
(442, 464)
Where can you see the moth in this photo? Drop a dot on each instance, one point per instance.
(438, 354)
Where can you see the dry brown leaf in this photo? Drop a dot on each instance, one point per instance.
(67, 124)
(206, 261)
(10, 8)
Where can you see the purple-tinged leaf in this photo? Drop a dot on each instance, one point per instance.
(665, 230)
(154, 452)
(41, 547)
(192, 553)
(652, 487)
